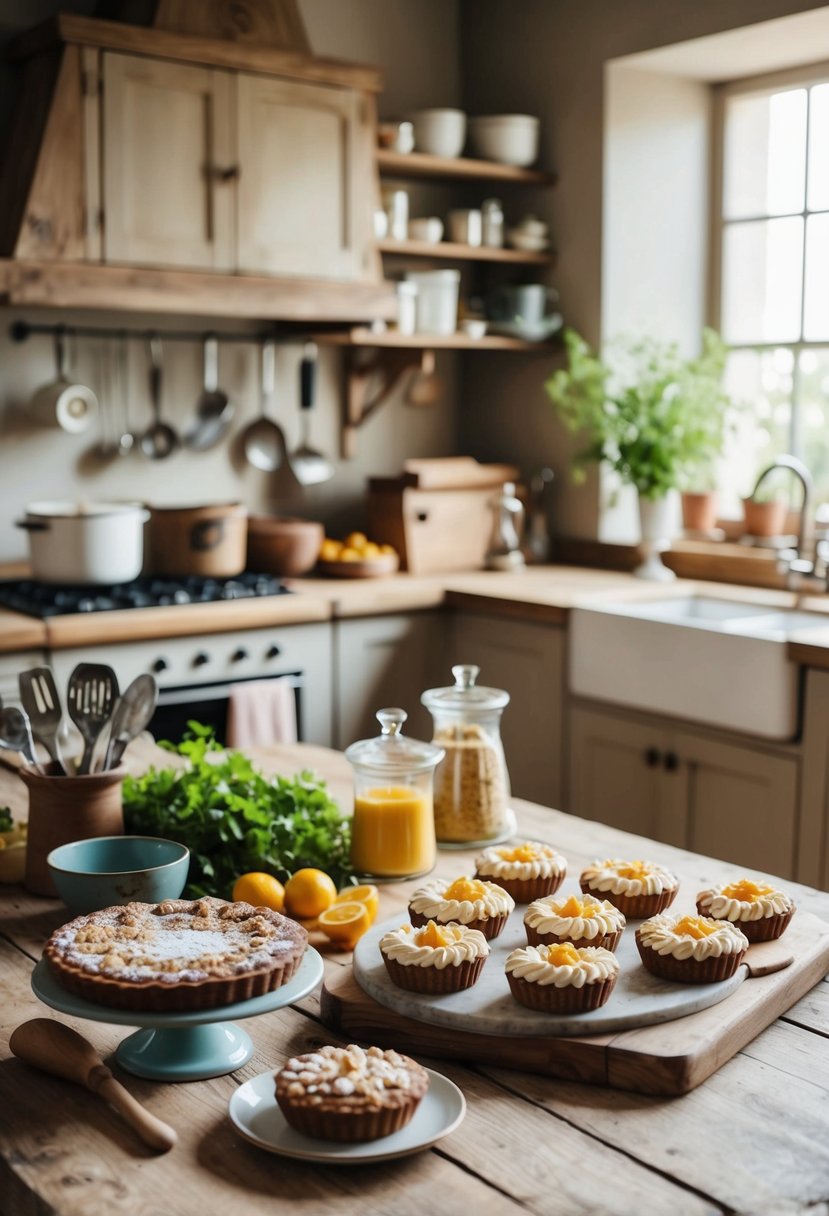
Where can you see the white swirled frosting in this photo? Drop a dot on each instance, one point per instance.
(464, 946)
(669, 934)
(432, 902)
(590, 965)
(628, 877)
(597, 918)
(529, 859)
(744, 900)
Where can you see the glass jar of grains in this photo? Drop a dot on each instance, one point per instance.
(471, 787)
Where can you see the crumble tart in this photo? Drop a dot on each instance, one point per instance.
(583, 920)
(640, 889)
(562, 978)
(176, 956)
(466, 901)
(350, 1094)
(437, 958)
(526, 871)
(759, 911)
(690, 949)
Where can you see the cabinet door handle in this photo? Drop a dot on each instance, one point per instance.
(671, 762)
(652, 757)
(229, 173)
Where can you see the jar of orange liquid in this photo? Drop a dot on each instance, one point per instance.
(393, 829)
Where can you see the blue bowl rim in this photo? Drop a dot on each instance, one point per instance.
(114, 873)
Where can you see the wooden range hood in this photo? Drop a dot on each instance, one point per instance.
(57, 214)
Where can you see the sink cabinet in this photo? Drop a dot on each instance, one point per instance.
(689, 788)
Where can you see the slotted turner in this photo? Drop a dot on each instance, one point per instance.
(91, 695)
(40, 699)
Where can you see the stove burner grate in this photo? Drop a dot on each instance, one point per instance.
(45, 600)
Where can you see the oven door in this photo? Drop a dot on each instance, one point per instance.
(208, 704)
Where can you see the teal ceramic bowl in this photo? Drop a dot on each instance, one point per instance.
(107, 870)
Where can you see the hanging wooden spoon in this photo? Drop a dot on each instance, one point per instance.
(56, 1048)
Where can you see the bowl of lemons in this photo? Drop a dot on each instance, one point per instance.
(356, 557)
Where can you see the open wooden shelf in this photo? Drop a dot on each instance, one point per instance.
(464, 253)
(392, 340)
(421, 164)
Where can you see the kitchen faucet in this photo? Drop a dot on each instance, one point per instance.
(800, 563)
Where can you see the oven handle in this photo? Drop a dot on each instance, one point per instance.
(217, 692)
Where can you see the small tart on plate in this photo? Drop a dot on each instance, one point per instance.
(437, 958)
(760, 911)
(638, 888)
(690, 949)
(350, 1094)
(580, 919)
(527, 871)
(562, 978)
(466, 901)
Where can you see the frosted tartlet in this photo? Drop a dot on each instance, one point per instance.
(526, 871)
(437, 958)
(466, 901)
(350, 1094)
(562, 978)
(690, 949)
(639, 889)
(758, 910)
(580, 919)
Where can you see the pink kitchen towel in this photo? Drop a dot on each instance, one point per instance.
(261, 712)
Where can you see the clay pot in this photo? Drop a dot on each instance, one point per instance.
(765, 518)
(699, 511)
(286, 547)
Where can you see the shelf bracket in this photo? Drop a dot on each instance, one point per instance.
(369, 383)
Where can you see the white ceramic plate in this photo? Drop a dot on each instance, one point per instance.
(255, 1115)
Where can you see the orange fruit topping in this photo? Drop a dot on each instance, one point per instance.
(432, 935)
(308, 893)
(366, 894)
(575, 907)
(522, 852)
(746, 890)
(261, 890)
(345, 923)
(564, 955)
(635, 869)
(465, 888)
(695, 926)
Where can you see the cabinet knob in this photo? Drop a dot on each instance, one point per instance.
(273, 652)
(201, 659)
(239, 655)
(652, 757)
(671, 762)
(159, 665)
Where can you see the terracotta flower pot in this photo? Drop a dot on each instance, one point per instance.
(699, 511)
(765, 518)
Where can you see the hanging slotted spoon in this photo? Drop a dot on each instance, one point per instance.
(90, 696)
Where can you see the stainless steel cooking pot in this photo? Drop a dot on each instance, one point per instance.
(96, 542)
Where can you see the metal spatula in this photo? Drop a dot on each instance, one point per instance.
(91, 695)
(41, 701)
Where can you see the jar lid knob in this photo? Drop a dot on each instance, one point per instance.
(391, 720)
(465, 675)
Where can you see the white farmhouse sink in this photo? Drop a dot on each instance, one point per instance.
(707, 660)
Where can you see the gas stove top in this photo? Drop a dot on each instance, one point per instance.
(51, 599)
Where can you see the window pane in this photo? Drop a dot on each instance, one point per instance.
(761, 281)
(764, 164)
(819, 148)
(813, 417)
(759, 427)
(816, 311)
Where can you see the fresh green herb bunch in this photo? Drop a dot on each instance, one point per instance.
(655, 417)
(234, 820)
(6, 821)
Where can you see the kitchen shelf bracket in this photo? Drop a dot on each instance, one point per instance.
(363, 395)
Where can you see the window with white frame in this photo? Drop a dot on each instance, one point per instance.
(771, 282)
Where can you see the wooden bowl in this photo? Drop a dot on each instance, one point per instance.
(285, 547)
(374, 567)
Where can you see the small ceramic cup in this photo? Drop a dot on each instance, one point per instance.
(108, 870)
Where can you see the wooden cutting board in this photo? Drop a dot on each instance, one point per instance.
(668, 1059)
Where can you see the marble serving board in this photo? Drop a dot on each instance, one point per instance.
(638, 999)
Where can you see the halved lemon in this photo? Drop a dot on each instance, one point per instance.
(366, 894)
(345, 923)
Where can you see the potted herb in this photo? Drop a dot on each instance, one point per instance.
(655, 417)
(765, 512)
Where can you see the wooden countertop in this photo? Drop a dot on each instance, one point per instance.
(19, 632)
(753, 1137)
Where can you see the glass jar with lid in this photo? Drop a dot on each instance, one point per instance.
(393, 829)
(471, 792)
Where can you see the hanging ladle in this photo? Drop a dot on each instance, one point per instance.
(214, 409)
(309, 465)
(263, 439)
(160, 440)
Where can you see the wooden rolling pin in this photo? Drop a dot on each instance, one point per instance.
(60, 1050)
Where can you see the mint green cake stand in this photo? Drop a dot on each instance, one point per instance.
(182, 1046)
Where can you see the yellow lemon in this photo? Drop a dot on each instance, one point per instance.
(261, 890)
(345, 923)
(309, 892)
(330, 550)
(356, 540)
(367, 894)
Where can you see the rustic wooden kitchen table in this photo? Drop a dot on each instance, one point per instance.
(753, 1138)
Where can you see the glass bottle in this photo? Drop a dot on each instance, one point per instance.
(393, 829)
(471, 786)
(504, 552)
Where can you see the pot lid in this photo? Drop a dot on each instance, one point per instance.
(465, 694)
(389, 753)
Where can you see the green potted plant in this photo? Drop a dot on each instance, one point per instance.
(765, 512)
(655, 417)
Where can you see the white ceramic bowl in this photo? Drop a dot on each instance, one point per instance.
(428, 229)
(473, 327)
(439, 132)
(526, 241)
(509, 139)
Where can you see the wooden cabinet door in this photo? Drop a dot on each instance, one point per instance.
(742, 803)
(528, 661)
(618, 776)
(167, 134)
(304, 179)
